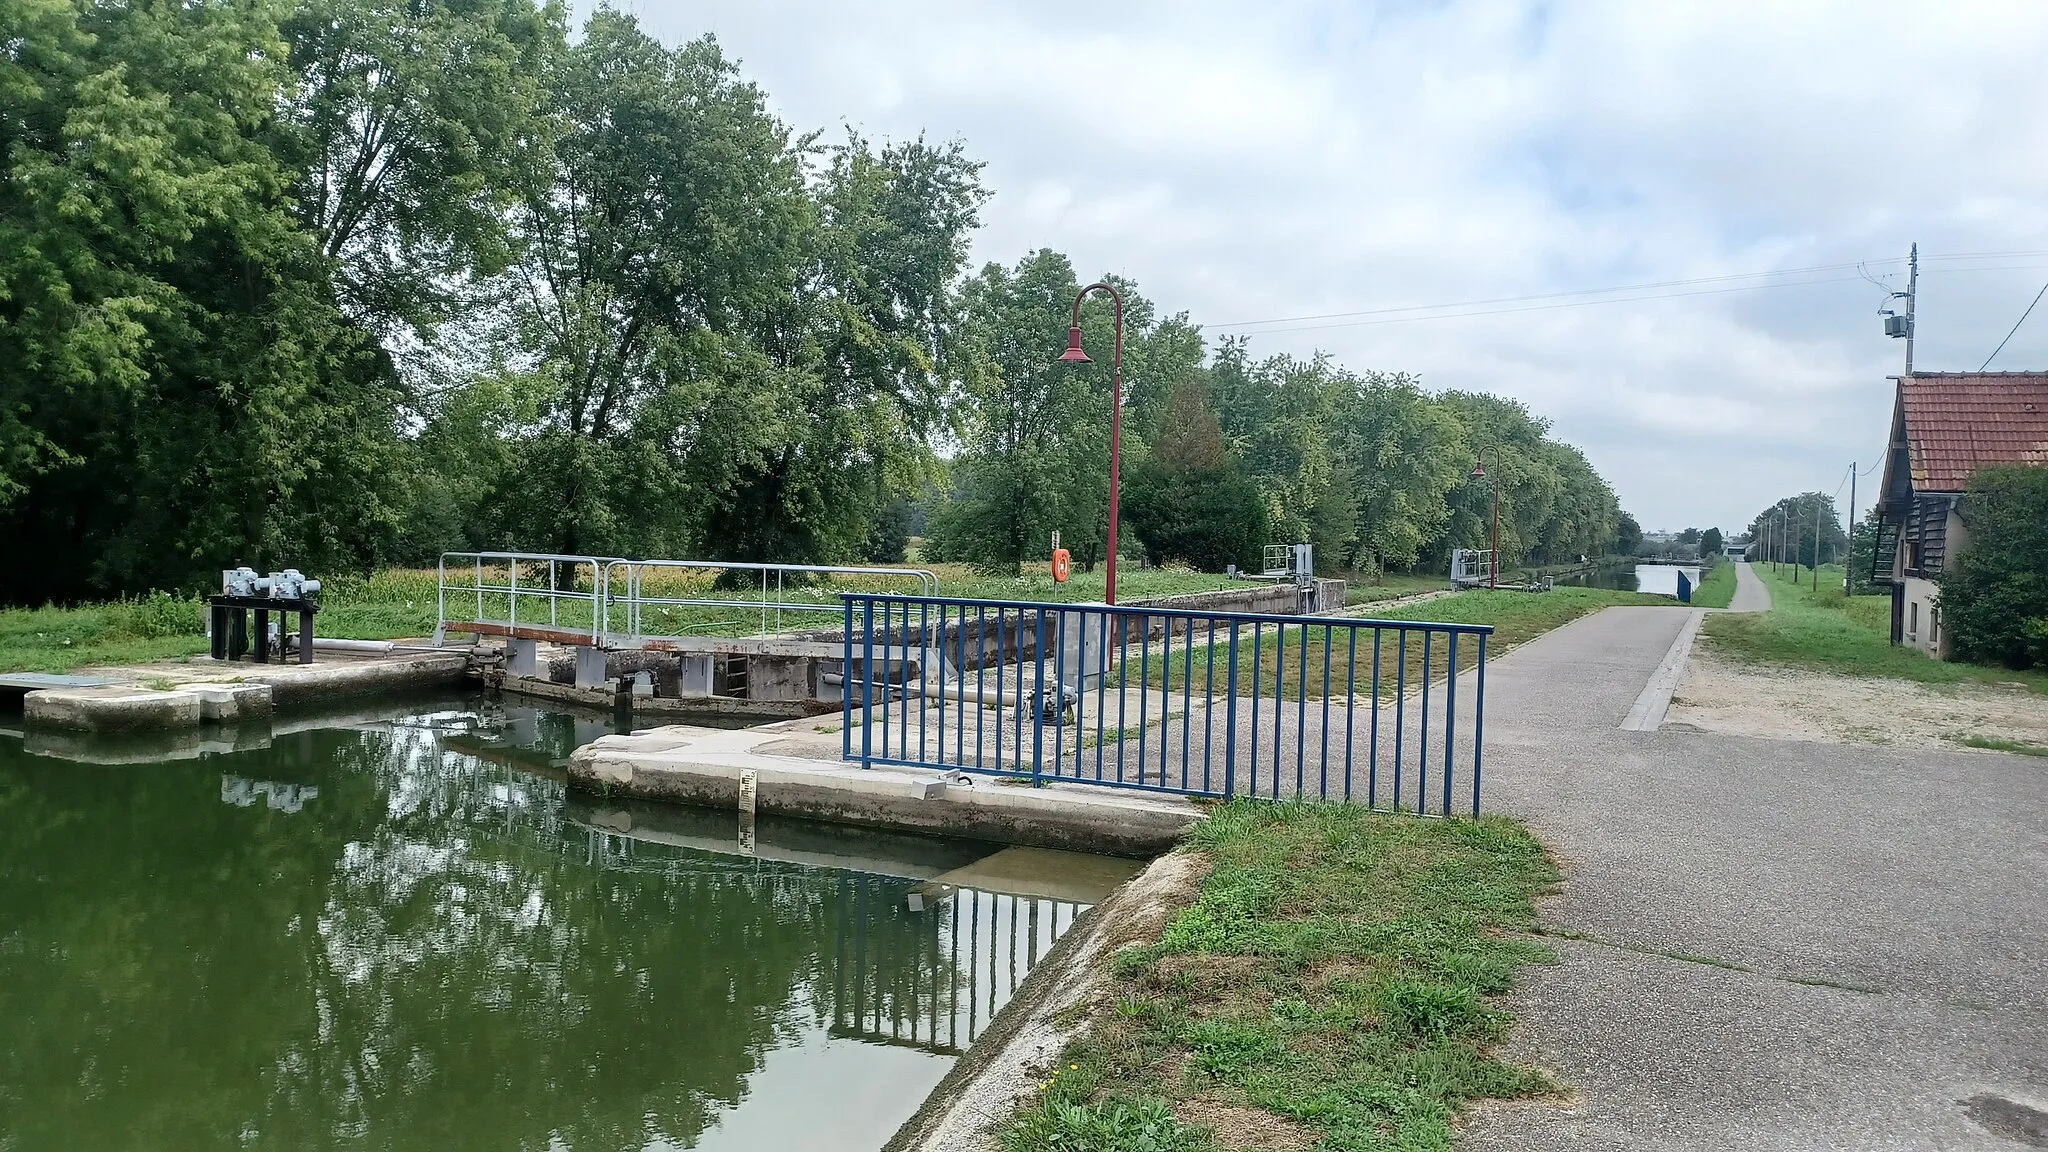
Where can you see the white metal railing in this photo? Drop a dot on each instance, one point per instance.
(607, 598)
(626, 607)
(1471, 566)
(484, 569)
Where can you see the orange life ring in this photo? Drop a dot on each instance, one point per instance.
(1062, 565)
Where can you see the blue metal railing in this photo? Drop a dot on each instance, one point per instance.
(1189, 702)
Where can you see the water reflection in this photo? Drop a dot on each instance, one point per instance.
(400, 934)
(1654, 579)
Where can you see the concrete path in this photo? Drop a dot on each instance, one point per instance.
(1750, 593)
(1792, 945)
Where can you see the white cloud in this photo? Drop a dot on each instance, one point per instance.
(1246, 160)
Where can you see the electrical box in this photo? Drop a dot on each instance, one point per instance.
(291, 584)
(1898, 325)
(243, 582)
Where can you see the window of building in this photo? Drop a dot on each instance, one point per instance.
(1913, 620)
(1934, 625)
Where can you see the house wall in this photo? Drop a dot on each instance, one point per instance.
(1924, 631)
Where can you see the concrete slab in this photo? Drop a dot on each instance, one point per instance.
(110, 709)
(225, 702)
(705, 770)
(33, 681)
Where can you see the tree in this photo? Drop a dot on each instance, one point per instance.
(1628, 536)
(1689, 536)
(864, 393)
(177, 388)
(1188, 500)
(402, 128)
(1401, 453)
(1862, 558)
(1994, 593)
(1711, 543)
(1035, 431)
(1787, 528)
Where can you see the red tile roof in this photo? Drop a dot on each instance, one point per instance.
(1958, 422)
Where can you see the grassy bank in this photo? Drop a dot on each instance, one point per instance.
(1516, 617)
(1829, 632)
(1330, 986)
(1717, 586)
(1391, 586)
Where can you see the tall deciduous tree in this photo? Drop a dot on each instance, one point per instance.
(401, 126)
(1035, 430)
(1188, 500)
(177, 390)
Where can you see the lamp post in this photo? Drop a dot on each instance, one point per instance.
(1074, 355)
(1479, 473)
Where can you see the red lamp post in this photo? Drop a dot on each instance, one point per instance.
(1074, 355)
(1479, 473)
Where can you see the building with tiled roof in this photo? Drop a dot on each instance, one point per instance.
(1945, 427)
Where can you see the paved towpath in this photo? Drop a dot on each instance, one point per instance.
(1750, 593)
(1890, 910)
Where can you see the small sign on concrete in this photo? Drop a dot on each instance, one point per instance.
(747, 786)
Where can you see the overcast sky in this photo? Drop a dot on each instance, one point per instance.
(1257, 161)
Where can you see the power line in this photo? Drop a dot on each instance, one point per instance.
(1537, 307)
(1544, 295)
(1648, 287)
(2015, 327)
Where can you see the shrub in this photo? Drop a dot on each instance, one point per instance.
(1994, 596)
(160, 614)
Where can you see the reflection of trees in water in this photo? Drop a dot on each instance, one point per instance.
(425, 955)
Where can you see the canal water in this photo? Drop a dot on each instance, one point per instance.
(396, 931)
(1654, 579)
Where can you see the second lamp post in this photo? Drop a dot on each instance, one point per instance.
(1499, 472)
(1074, 355)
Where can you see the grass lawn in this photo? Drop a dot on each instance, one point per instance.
(1717, 586)
(1333, 979)
(1515, 616)
(1391, 586)
(1830, 632)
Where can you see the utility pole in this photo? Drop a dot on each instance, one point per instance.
(1898, 324)
(1849, 565)
(1816, 545)
(1912, 290)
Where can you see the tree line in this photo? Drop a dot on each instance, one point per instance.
(342, 283)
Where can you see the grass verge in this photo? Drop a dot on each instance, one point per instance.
(1828, 631)
(1330, 986)
(1717, 586)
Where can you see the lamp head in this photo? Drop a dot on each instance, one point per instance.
(1479, 470)
(1073, 354)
